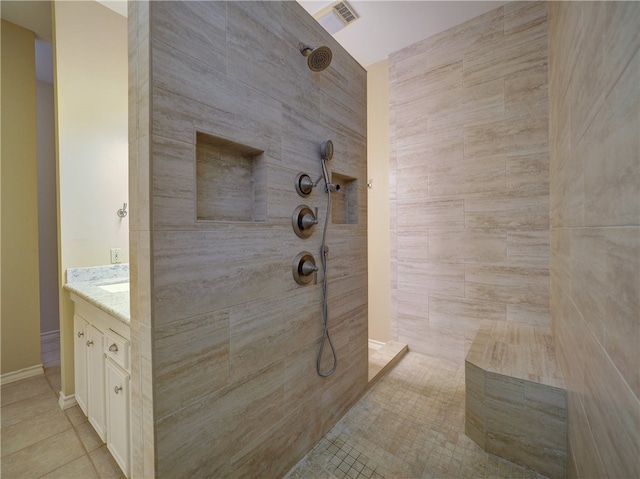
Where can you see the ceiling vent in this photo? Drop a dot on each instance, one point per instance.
(346, 12)
(336, 16)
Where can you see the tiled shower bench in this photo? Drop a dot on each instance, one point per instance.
(515, 398)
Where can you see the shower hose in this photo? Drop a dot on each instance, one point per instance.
(324, 252)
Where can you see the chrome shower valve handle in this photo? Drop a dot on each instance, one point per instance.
(303, 221)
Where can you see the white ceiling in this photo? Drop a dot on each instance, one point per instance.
(386, 26)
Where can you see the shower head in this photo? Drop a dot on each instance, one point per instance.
(317, 58)
(326, 150)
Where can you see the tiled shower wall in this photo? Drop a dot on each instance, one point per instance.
(227, 341)
(594, 88)
(470, 180)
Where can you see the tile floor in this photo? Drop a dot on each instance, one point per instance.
(38, 439)
(409, 425)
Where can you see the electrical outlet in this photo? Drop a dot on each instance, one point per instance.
(115, 256)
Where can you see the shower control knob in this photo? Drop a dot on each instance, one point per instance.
(303, 221)
(308, 268)
(308, 221)
(304, 268)
(304, 184)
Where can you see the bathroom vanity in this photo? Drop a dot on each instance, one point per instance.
(102, 335)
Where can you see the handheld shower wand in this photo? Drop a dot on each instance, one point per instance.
(326, 153)
(326, 150)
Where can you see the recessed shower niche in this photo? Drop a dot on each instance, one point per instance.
(230, 181)
(344, 204)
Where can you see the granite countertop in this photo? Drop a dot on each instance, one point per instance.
(87, 282)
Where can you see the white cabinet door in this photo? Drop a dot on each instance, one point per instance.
(95, 380)
(80, 361)
(117, 383)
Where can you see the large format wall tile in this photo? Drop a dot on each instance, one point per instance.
(614, 427)
(470, 118)
(429, 213)
(532, 315)
(192, 277)
(255, 121)
(262, 336)
(471, 175)
(219, 425)
(622, 334)
(595, 229)
(467, 245)
(297, 432)
(448, 310)
(508, 284)
(514, 211)
(226, 371)
(526, 94)
(528, 248)
(480, 33)
(192, 360)
(197, 29)
(441, 278)
(528, 173)
(611, 160)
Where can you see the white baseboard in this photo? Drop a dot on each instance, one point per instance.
(50, 335)
(25, 373)
(65, 402)
(375, 345)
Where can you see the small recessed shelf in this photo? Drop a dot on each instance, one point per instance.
(344, 205)
(230, 181)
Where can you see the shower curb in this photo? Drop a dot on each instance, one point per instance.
(384, 359)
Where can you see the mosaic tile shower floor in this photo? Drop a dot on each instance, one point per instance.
(409, 425)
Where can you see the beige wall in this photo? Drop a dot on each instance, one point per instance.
(91, 95)
(379, 239)
(230, 339)
(20, 291)
(47, 211)
(469, 180)
(594, 72)
(90, 63)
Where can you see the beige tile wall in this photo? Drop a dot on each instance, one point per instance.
(594, 87)
(470, 180)
(227, 341)
(142, 408)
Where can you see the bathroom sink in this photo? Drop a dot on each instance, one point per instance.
(114, 287)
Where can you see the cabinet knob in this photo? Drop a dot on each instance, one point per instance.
(89, 342)
(117, 389)
(113, 347)
(80, 334)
